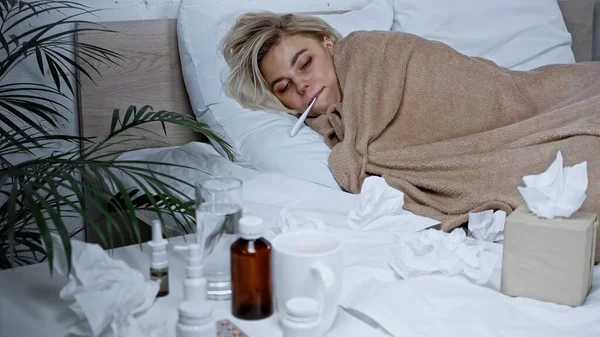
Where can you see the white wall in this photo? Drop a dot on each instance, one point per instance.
(120, 10)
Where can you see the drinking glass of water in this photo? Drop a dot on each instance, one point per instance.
(218, 211)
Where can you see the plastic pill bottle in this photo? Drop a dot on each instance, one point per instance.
(195, 320)
(302, 318)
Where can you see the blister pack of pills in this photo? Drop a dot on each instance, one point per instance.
(226, 328)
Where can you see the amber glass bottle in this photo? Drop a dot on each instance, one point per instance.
(251, 272)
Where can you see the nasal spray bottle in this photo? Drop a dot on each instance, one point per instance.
(194, 285)
(159, 268)
(195, 317)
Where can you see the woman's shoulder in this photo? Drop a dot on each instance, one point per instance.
(370, 37)
(370, 40)
(369, 34)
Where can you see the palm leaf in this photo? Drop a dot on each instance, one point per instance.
(62, 59)
(50, 115)
(37, 141)
(57, 221)
(42, 226)
(39, 39)
(4, 43)
(134, 119)
(10, 209)
(37, 8)
(17, 99)
(57, 171)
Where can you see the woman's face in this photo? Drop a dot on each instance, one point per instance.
(299, 69)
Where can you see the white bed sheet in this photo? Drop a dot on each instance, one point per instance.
(431, 305)
(265, 194)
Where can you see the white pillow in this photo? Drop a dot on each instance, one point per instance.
(260, 139)
(516, 34)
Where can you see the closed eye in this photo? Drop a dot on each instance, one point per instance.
(284, 89)
(307, 63)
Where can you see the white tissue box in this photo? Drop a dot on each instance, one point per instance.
(549, 259)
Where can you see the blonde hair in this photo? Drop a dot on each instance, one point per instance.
(250, 39)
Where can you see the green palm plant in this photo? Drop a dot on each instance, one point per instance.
(40, 193)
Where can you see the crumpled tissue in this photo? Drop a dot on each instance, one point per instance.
(107, 294)
(557, 192)
(487, 225)
(289, 222)
(433, 251)
(379, 206)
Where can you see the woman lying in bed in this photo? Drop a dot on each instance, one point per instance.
(455, 133)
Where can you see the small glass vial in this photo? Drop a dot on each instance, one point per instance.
(301, 318)
(162, 276)
(251, 272)
(195, 320)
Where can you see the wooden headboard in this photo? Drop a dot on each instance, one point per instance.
(148, 74)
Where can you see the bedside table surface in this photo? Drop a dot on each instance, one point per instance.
(31, 306)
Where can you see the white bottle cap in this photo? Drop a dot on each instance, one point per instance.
(194, 267)
(159, 247)
(194, 312)
(157, 236)
(251, 227)
(302, 309)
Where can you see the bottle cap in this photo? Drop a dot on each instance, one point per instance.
(302, 309)
(157, 236)
(159, 247)
(251, 227)
(195, 312)
(194, 267)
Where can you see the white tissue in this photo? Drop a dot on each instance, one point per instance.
(434, 251)
(376, 198)
(106, 293)
(380, 206)
(289, 222)
(487, 225)
(558, 192)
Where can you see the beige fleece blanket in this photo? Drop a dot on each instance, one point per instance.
(456, 134)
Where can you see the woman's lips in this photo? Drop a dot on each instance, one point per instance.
(317, 95)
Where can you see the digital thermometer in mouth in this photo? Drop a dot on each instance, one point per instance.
(301, 120)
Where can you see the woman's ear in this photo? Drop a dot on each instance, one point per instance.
(328, 43)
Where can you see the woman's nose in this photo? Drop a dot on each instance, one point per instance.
(303, 87)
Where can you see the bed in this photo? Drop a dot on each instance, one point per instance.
(173, 65)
